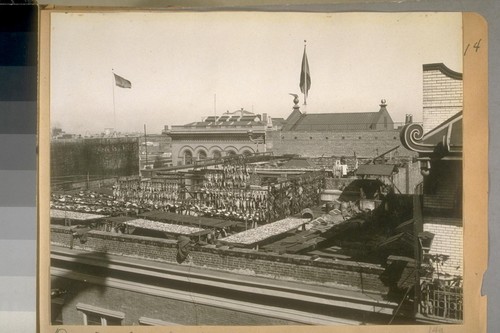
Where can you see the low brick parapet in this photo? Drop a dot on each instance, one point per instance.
(347, 274)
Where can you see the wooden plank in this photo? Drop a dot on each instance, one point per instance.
(328, 255)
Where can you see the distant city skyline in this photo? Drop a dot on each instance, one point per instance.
(184, 66)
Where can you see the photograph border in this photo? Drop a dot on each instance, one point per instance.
(475, 166)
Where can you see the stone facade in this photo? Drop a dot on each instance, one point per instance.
(239, 132)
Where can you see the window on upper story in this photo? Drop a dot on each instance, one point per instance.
(188, 157)
(202, 155)
(145, 321)
(93, 315)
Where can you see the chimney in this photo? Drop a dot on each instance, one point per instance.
(409, 119)
(264, 118)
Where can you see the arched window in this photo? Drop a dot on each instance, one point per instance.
(247, 152)
(230, 152)
(202, 155)
(216, 154)
(188, 157)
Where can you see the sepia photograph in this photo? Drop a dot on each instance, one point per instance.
(255, 168)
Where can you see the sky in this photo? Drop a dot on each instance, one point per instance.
(185, 66)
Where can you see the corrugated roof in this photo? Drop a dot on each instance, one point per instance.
(375, 169)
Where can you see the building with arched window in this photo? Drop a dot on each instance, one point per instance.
(232, 133)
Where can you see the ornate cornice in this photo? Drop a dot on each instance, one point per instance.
(443, 69)
(438, 141)
(411, 137)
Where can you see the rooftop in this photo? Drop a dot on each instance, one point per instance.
(338, 121)
(239, 118)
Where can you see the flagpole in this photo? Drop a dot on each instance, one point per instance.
(305, 76)
(146, 146)
(114, 109)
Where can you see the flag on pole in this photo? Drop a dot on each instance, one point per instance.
(305, 77)
(121, 82)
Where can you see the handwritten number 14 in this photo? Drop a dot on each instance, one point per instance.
(476, 46)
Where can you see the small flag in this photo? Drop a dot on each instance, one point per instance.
(121, 82)
(305, 77)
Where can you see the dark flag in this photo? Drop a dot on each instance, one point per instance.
(305, 77)
(121, 82)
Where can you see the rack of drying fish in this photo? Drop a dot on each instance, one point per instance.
(169, 229)
(259, 235)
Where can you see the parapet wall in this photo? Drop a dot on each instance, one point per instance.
(347, 274)
(336, 143)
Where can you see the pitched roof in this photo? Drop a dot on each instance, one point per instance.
(335, 121)
(298, 121)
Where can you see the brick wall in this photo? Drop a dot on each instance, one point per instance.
(442, 95)
(443, 188)
(448, 240)
(135, 305)
(356, 276)
(338, 143)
